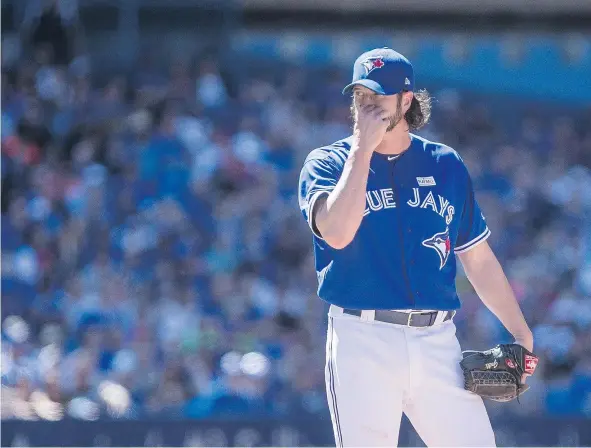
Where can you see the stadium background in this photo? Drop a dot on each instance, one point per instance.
(157, 280)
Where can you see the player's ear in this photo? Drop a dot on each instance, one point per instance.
(407, 100)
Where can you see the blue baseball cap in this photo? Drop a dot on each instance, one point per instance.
(384, 71)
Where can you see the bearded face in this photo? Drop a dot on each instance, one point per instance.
(396, 117)
(392, 104)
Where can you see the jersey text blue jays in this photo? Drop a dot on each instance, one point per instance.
(420, 211)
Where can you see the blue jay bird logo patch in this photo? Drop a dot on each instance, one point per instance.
(441, 244)
(371, 64)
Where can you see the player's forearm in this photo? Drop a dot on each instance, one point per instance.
(339, 216)
(486, 275)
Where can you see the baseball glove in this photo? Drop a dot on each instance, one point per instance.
(497, 373)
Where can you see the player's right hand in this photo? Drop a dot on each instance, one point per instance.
(370, 128)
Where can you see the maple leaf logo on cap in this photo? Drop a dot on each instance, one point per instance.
(372, 63)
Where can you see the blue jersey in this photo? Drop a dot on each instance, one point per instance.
(420, 210)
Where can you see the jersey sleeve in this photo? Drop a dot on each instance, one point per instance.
(473, 229)
(318, 177)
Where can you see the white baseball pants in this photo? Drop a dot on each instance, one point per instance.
(375, 371)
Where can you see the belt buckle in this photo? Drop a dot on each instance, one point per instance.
(410, 314)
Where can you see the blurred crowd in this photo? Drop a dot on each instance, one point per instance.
(155, 262)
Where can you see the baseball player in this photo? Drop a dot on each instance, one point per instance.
(388, 211)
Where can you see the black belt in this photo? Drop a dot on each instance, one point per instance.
(414, 319)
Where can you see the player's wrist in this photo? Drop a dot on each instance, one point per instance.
(361, 151)
(526, 340)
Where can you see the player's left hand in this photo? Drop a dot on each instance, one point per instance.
(498, 373)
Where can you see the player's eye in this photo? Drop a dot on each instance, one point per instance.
(360, 96)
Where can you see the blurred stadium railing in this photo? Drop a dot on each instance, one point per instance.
(260, 432)
(542, 7)
(492, 58)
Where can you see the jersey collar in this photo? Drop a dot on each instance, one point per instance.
(389, 158)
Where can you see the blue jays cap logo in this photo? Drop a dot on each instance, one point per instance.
(441, 244)
(371, 64)
(382, 70)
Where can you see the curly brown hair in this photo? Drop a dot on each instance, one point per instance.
(419, 112)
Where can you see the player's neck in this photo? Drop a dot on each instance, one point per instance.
(395, 141)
